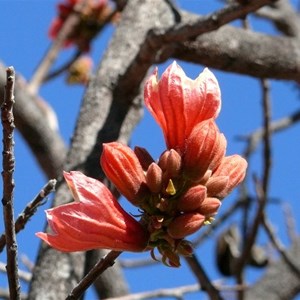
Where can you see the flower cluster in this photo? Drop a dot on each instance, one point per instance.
(176, 195)
(92, 18)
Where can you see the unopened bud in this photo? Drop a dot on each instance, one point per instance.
(163, 160)
(216, 185)
(173, 167)
(154, 178)
(192, 199)
(209, 206)
(144, 157)
(185, 224)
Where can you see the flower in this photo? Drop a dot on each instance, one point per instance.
(92, 17)
(179, 103)
(122, 167)
(176, 195)
(94, 221)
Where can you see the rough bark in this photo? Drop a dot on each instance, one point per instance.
(280, 281)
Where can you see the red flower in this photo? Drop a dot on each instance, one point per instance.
(94, 221)
(179, 103)
(122, 167)
(92, 17)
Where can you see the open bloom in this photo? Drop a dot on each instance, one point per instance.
(94, 221)
(179, 103)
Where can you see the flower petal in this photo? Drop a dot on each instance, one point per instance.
(179, 103)
(96, 220)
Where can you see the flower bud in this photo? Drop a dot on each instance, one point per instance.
(234, 167)
(185, 224)
(216, 184)
(173, 167)
(154, 178)
(192, 199)
(205, 148)
(209, 206)
(123, 168)
(144, 157)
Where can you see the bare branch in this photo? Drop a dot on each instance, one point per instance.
(244, 52)
(202, 278)
(23, 275)
(8, 125)
(267, 136)
(279, 247)
(194, 28)
(51, 55)
(275, 126)
(30, 209)
(284, 16)
(290, 222)
(96, 271)
(177, 293)
(46, 144)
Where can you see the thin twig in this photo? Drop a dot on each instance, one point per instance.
(23, 275)
(261, 190)
(267, 136)
(290, 222)
(279, 246)
(202, 277)
(213, 21)
(5, 295)
(7, 119)
(106, 262)
(254, 138)
(135, 263)
(51, 55)
(30, 209)
(176, 292)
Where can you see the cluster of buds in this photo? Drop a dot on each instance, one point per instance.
(179, 193)
(93, 16)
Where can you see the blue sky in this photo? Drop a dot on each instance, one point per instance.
(24, 40)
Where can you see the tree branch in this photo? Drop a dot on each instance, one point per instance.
(29, 210)
(8, 125)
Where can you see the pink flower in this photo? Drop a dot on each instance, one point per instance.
(94, 221)
(122, 167)
(179, 103)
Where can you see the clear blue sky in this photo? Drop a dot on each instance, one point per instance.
(23, 35)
